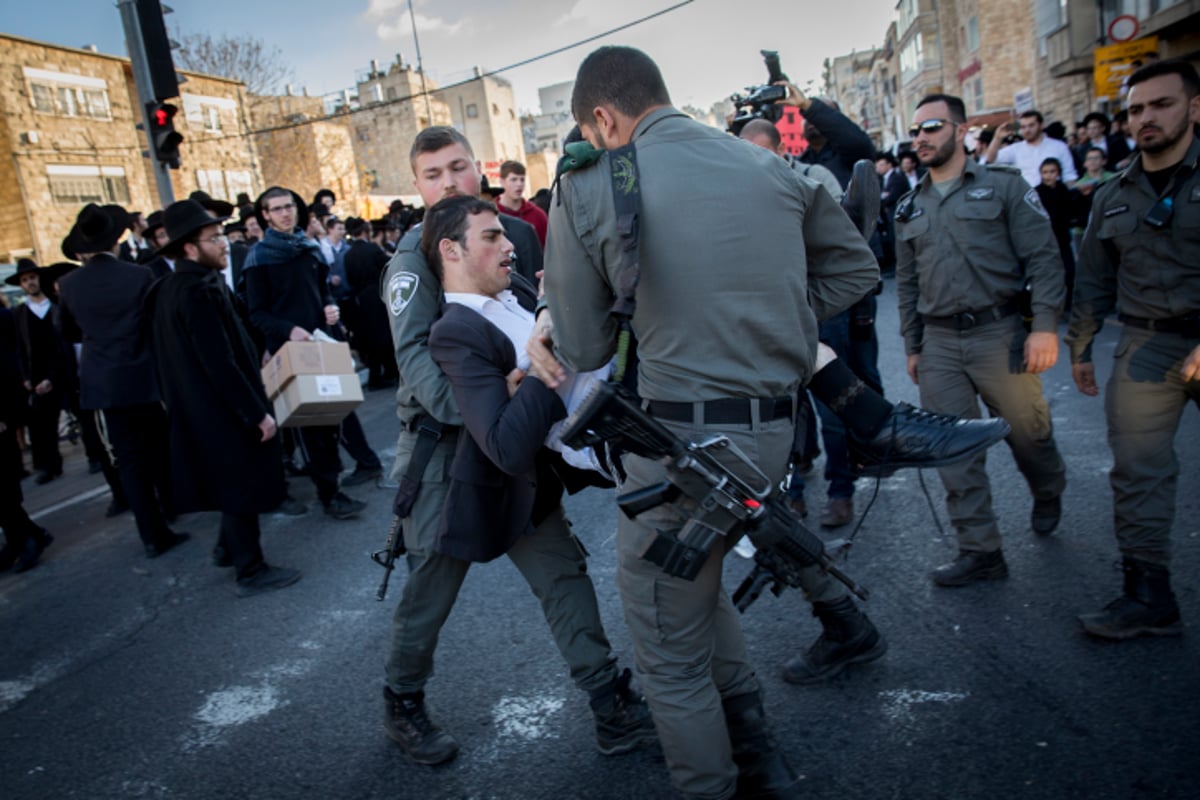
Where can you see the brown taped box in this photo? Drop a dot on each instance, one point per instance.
(309, 400)
(305, 358)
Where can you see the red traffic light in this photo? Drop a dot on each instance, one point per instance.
(161, 117)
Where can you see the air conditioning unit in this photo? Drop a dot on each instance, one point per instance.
(29, 137)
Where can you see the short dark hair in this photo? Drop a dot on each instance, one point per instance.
(1090, 150)
(433, 139)
(623, 77)
(1032, 113)
(886, 155)
(1172, 66)
(448, 220)
(762, 127)
(958, 111)
(511, 168)
(1054, 162)
(273, 192)
(909, 154)
(1096, 115)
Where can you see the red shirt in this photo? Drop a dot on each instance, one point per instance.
(530, 213)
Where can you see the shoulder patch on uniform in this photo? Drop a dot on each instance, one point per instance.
(1033, 201)
(400, 290)
(1009, 168)
(1112, 212)
(981, 193)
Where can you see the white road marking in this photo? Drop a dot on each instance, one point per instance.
(899, 703)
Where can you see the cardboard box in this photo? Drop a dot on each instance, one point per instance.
(317, 400)
(306, 358)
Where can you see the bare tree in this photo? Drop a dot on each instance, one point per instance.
(244, 58)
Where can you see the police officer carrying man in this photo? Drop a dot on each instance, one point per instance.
(733, 369)
(967, 239)
(549, 558)
(1140, 257)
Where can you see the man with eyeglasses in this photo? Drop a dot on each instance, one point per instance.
(968, 238)
(288, 299)
(1140, 257)
(224, 449)
(1035, 147)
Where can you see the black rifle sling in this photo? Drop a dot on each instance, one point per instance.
(627, 201)
(429, 433)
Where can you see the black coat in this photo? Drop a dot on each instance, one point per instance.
(282, 295)
(43, 354)
(213, 392)
(502, 480)
(103, 306)
(526, 246)
(845, 145)
(365, 264)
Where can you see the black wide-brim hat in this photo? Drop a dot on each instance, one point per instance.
(56, 271)
(97, 229)
(218, 207)
(24, 265)
(301, 209)
(184, 218)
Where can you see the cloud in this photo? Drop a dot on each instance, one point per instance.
(400, 26)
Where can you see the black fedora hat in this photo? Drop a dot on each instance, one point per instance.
(24, 265)
(301, 209)
(218, 207)
(56, 271)
(153, 222)
(184, 218)
(97, 229)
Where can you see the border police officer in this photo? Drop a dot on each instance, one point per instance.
(967, 239)
(1141, 256)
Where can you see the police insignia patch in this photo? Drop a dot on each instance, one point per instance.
(1033, 201)
(400, 290)
(981, 193)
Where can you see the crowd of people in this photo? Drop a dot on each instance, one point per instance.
(449, 304)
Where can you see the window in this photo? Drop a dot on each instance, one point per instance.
(472, 111)
(211, 181)
(75, 185)
(212, 118)
(236, 182)
(67, 95)
(204, 112)
(972, 34)
(391, 93)
(979, 94)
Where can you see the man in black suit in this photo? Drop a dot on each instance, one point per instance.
(103, 306)
(505, 487)
(43, 366)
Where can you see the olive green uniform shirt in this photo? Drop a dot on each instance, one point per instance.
(1128, 265)
(740, 258)
(973, 249)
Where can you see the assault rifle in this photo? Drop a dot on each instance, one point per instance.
(715, 486)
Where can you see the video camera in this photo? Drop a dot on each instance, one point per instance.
(761, 100)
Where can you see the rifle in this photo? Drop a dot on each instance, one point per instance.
(715, 485)
(393, 548)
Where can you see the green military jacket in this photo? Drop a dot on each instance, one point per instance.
(1128, 265)
(740, 258)
(974, 249)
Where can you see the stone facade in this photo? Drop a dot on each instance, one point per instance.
(485, 110)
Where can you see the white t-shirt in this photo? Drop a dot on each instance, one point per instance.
(1028, 158)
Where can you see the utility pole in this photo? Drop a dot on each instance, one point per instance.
(420, 67)
(145, 90)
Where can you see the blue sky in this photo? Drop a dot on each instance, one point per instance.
(707, 49)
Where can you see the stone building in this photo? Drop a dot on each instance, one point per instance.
(68, 118)
(301, 148)
(848, 82)
(485, 110)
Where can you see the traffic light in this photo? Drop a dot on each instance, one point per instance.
(164, 139)
(157, 47)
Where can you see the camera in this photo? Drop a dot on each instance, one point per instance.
(760, 101)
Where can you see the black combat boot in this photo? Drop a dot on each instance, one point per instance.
(914, 437)
(847, 637)
(622, 719)
(409, 726)
(970, 566)
(1147, 608)
(763, 772)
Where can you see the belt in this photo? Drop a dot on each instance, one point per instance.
(1186, 326)
(973, 319)
(726, 411)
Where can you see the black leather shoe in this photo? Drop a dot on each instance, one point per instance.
(267, 579)
(362, 475)
(343, 507)
(170, 540)
(34, 547)
(971, 566)
(408, 724)
(1046, 515)
(116, 508)
(47, 475)
(847, 637)
(913, 437)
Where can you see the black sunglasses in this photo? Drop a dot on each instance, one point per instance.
(929, 126)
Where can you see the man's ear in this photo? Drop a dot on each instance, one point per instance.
(448, 249)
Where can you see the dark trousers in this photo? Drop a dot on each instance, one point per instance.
(240, 536)
(354, 439)
(320, 446)
(42, 424)
(137, 436)
(17, 525)
(93, 446)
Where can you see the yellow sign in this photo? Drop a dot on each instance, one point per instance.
(1113, 63)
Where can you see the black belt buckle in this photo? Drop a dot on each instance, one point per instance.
(966, 320)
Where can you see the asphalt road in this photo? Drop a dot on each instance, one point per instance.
(127, 678)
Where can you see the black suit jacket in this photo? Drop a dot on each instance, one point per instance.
(525, 245)
(103, 306)
(502, 481)
(896, 187)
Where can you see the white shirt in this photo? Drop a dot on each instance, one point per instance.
(39, 307)
(1028, 158)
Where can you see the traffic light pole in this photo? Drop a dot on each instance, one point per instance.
(145, 90)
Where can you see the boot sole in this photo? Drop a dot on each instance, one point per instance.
(1174, 629)
(621, 748)
(886, 470)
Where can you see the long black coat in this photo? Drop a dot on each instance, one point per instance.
(365, 264)
(213, 392)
